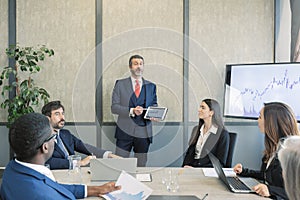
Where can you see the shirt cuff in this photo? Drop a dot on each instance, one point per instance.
(131, 113)
(85, 191)
(106, 153)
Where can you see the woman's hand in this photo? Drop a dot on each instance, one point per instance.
(187, 166)
(262, 190)
(238, 168)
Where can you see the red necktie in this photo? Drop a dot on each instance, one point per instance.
(137, 88)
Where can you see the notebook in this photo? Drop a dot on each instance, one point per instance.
(108, 169)
(234, 183)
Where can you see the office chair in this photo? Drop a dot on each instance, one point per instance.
(232, 142)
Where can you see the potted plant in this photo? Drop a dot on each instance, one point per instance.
(19, 79)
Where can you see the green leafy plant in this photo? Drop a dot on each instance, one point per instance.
(28, 94)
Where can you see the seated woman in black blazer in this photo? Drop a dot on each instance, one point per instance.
(209, 136)
(276, 121)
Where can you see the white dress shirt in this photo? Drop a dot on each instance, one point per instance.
(202, 139)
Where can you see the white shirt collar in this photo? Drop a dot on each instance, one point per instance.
(39, 168)
(139, 79)
(213, 129)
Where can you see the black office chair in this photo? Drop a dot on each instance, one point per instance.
(232, 142)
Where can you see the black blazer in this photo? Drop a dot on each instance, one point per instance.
(272, 177)
(217, 144)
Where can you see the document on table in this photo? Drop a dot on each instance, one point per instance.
(146, 177)
(131, 189)
(210, 172)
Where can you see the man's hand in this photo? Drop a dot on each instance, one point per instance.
(97, 191)
(262, 190)
(111, 155)
(138, 110)
(155, 119)
(86, 160)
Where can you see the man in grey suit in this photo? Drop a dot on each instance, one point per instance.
(130, 97)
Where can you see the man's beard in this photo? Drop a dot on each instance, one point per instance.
(58, 126)
(137, 72)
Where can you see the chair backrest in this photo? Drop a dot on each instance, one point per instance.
(232, 142)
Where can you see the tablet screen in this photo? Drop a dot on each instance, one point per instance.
(156, 112)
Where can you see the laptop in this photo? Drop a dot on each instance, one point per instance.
(235, 184)
(109, 169)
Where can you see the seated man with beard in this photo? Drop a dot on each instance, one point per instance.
(66, 143)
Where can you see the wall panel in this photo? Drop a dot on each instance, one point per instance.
(3, 44)
(69, 28)
(231, 31)
(153, 29)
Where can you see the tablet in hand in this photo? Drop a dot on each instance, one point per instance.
(156, 112)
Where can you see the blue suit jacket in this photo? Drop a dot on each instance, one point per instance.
(21, 182)
(72, 144)
(120, 105)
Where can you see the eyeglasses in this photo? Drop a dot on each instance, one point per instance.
(52, 136)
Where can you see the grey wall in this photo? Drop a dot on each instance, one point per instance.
(4, 147)
(218, 34)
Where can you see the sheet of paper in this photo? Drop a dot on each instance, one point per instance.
(131, 189)
(144, 177)
(210, 172)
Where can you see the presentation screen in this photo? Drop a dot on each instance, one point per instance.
(249, 86)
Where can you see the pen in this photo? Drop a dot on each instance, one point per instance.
(205, 196)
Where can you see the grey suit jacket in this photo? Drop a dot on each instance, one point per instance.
(122, 93)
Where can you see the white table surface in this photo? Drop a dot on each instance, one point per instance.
(191, 182)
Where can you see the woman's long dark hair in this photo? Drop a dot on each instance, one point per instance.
(279, 122)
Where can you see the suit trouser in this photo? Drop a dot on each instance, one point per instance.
(140, 146)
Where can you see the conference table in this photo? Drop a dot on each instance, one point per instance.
(192, 181)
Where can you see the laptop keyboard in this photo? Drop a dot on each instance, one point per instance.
(237, 184)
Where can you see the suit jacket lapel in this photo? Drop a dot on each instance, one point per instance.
(128, 86)
(58, 149)
(210, 143)
(66, 142)
(146, 86)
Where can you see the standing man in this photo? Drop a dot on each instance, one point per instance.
(129, 99)
(66, 143)
(26, 177)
